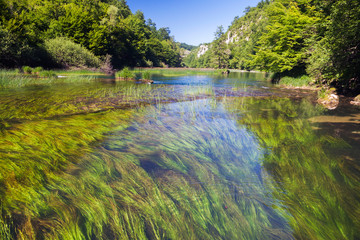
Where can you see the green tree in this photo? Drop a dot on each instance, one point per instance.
(343, 38)
(219, 50)
(283, 46)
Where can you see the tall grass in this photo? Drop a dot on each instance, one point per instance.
(302, 81)
(12, 79)
(170, 72)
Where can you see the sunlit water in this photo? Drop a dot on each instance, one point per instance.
(197, 157)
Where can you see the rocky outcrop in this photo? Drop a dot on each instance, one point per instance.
(202, 50)
(231, 38)
(356, 101)
(330, 101)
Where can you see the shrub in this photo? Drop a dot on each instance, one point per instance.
(27, 69)
(125, 73)
(146, 75)
(38, 70)
(106, 66)
(66, 53)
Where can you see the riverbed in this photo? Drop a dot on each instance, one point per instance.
(188, 157)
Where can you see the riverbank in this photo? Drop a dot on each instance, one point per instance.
(327, 96)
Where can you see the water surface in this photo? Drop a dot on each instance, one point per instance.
(191, 157)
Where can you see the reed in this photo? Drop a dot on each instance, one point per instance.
(302, 81)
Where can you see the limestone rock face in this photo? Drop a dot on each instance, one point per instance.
(202, 50)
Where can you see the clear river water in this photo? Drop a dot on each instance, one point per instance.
(188, 157)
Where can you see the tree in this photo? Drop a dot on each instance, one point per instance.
(219, 49)
(343, 38)
(283, 46)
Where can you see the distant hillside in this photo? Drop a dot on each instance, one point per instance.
(240, 40)
(291, 38)
(187, 46)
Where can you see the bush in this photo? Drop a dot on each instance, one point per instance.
(125, 73)
(27, 69)
(106, 66)
(38, 70)
(146, 75)
(66, 53)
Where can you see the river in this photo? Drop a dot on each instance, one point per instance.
(188, 157)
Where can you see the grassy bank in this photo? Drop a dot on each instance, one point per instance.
(173, 72)
(303, 81)
(15, 78)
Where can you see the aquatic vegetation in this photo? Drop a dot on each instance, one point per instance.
(48, 149)
(302, 81)
(199, 91)
(125, 73)
(85, 159)
(311, 172)
(146, 75)
(13, 79)
(72, 72)
(133, 185)
(48, 74)
(171, 72)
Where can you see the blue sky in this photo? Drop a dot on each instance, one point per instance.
(191, 21)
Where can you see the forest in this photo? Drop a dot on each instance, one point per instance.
(81, 33)
(316, 38)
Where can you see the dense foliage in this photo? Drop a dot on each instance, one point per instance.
(292, 38)
(103, 27)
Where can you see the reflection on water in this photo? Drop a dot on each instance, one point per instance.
(212, 160)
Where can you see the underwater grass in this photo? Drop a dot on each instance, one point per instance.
(47, 148)
(307, 176)
(76, 167)
(75, 95)
(133, 185)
